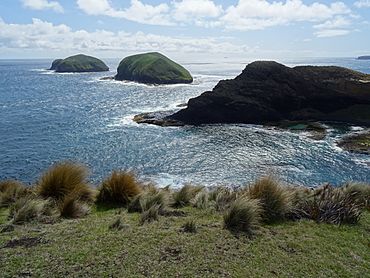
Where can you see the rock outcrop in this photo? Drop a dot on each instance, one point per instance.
(268, 92)
(367, 57)
(152, 68)
(79, 63)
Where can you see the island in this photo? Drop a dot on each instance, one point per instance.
(152, 68)
(268, 92)
(79, 63)
(367, 57)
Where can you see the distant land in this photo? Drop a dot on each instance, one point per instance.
(366, 57)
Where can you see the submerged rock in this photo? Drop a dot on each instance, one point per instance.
(152, 68)
(268, 92)
(358, 142)
(79, 63)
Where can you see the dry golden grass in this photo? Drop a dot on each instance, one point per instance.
(183, 197)
(72, 207)
(274, 198)
(64, 179)
(10, 191)
(120, 188)
(244, 215)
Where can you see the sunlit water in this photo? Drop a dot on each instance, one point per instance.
(47, 117)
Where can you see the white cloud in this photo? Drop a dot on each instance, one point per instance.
(328, 33)
(333, 27)
(137, 11)
(43, 5)
(194, 9)
(362, 4)
(42, 35)
(260, 14)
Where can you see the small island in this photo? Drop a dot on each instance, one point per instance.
(79, 63)
(152, 68)
(366, 57)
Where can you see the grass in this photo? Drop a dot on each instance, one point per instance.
(10, 192)
(119, 188)
(185, 195)
(87, 248)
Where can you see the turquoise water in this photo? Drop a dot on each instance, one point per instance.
(48, 117)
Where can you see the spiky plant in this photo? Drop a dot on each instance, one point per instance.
(28, 209)
(201, 199)
(223, 197)
(10, 191)
(275, 199)
(150, 215)
(244, 215)
(120, 188)
(64, 179)
(190, 227)
(72, 207)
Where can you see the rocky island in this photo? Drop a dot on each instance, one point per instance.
(152, 68)
(367, 57)
(79, 63)
(268, 92)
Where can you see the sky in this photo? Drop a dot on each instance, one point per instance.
(199, 29)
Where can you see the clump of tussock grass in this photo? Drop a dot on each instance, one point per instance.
(190, 227)
(201, 200)
(183, 197)
(119, 188)
(333, 205)
(72, 207)
(223, 197)
(10, 191)
(147, 199)
(275, 199)
(149, 215)
(29, 209)
(64, 179)
(118, 225)
(360, 192)
(244, 215)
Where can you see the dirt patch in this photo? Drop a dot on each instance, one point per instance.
(24, 242)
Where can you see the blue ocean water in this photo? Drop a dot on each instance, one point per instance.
(47, 117)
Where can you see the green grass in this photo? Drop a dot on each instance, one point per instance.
(80, 63)
(153, 68)
(87, 247)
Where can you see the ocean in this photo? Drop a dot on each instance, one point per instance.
(46, 117)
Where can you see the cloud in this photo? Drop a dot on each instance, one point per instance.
(195, 9)
(328, 33)
(362, 4)
(137, 11)
(43, 35)
(260, 14)
(43, 5)
(332, 28)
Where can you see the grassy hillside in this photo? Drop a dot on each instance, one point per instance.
(153, 68)
(87, 247)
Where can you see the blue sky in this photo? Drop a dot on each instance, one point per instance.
(189, 28)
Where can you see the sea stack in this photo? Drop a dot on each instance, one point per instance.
(152, 68)
(79, 63)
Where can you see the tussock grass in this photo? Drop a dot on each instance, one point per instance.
(223, 197)
(120, 188)
(72, 207)
(118, 225)
(183, 197)
(190, 227)
(360, 193)
(150, 215)
(275, 199)
(10, 191)
(201, 200)
(28, 209)
(149, 198)
(244, 215)
(64, 179)
(333, 205)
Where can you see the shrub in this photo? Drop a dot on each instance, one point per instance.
(28, 209)
(182, 197)
(72, 207)
(190, 227)
(120, 188)
(201, 200)
(243, 215)
(10, 191)
(274, 198)
(64, 179)
(150, 215)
